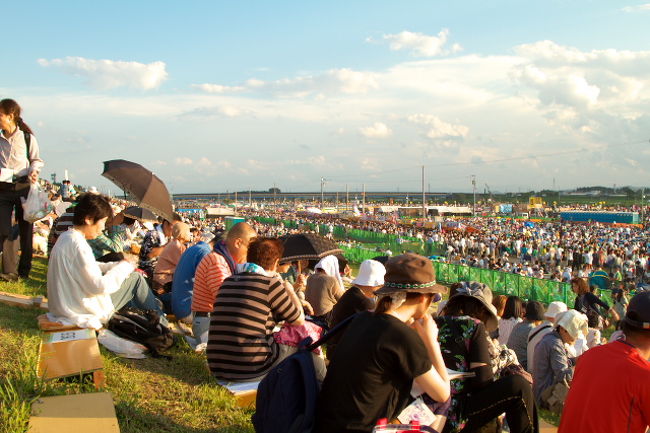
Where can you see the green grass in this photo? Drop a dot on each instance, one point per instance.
(35, 285)
(150, 395)
(549, 417)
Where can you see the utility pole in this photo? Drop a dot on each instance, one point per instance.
(337, 202)
(275, 204)
(474, 193)
(235, 202)
(322, 185)
(424, 199)
(363, 198)
(642, 204)
(250, 198)
(347, 198)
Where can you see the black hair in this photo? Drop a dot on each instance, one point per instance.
(633, 331)
(384, 303)
(514, 308)
(9, 106)
(467, 306)
(93, 206)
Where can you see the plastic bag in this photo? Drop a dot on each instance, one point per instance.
(121, 346)
(413, 427)
(37, 205)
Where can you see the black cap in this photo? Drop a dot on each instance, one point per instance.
(638, 312)
(534, 310)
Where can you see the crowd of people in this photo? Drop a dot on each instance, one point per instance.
(558, 251)
(248, 310)
(466, 362)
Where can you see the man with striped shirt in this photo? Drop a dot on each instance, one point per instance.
(213, 270)
(248, 306)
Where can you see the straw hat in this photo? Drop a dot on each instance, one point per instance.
(481, 293)
(410, 273)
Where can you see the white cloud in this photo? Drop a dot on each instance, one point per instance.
(109, 74)
(421, 45)
(183, 160)
(558, 87)
(333, 81)
(369, 164)
(473, 110)
(439, 129)
(222, 110)
(218, 88)
(312, 161)
(637, 8)
(376, 130)
(552, 54)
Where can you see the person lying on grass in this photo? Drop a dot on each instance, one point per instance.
(82, 291)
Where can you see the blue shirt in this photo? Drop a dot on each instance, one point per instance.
(183, 281)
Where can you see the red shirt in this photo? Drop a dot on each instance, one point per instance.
(610, 392)
(210, 274)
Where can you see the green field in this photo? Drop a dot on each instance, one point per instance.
(150, 395)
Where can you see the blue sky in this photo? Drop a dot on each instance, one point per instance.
(217, 96)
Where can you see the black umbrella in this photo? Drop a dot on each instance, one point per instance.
(139, 213)
(145, 187)
(308, 246)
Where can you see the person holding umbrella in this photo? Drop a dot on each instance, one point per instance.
(154, 243)
(20, 165)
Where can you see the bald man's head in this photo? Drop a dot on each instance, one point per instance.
(237, 240)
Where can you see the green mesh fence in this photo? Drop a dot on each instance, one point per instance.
(377, 242)
(504, 283)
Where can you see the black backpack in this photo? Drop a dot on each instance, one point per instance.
(287, 396)
(144, 327)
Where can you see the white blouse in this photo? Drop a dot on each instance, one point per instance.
(79, 287)
(505, 328)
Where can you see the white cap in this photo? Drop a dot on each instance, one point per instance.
(555, 308)
(207, 236)
(574, 322)
(371, 273)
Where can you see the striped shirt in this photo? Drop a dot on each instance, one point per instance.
(209, 276)
(247, 308)
(60, 226)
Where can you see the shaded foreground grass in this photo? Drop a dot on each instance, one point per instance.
(150, 395)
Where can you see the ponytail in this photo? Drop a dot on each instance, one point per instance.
(23, 126)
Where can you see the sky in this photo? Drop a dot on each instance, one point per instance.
(218, 96)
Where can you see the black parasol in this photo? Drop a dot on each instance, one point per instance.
(139, 213)
(308, 246)
(144, 187)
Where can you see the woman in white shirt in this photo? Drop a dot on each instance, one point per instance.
(82, 291)
(20, 165)
(512, 314)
